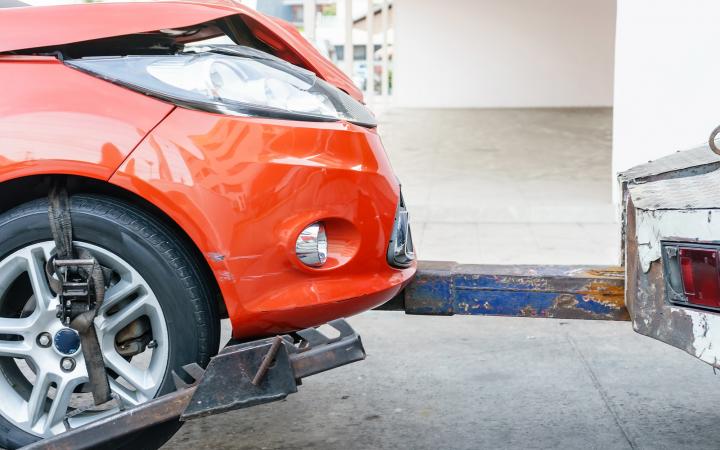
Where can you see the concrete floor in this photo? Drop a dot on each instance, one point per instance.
(508, 186)
(486, 382)
(516, 186)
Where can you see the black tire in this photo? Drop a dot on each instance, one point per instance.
(163, 260)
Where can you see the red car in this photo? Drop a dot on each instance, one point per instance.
(217, 166)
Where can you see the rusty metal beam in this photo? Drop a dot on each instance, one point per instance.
(563, 292)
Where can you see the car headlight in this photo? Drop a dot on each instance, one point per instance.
(231, 80)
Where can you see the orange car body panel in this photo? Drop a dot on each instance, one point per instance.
(54, 119)
(242, 188)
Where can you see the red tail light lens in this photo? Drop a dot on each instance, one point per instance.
(692, 273)
(700, 276)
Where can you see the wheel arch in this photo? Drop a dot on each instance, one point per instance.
(16, 191)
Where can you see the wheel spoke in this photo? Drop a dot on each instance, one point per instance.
(61, 402)
(15, 349)
(38, 278)
(116, 322)
(38, 398)
(138, 378)
(128, 397)
(19, 327)
(10, 328)
(123, 290)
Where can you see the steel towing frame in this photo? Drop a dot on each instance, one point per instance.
(268, 370)
(240, 376)
(561, 292)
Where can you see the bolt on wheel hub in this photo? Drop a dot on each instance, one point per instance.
(44, 340)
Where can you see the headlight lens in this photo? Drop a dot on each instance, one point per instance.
(311, 246)
(231, 80)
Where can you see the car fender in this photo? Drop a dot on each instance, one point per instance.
(76, 125)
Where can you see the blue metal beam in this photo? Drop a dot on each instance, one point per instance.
(565, 292)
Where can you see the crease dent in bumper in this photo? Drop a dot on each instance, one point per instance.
(243, 188)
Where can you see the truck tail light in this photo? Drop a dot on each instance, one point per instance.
(692, 273)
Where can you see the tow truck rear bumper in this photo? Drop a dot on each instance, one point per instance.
(671, 200)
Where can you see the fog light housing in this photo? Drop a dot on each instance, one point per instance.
(311, 246)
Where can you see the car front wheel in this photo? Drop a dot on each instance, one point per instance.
(158, 315)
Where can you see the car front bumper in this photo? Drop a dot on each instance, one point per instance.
(244, 188)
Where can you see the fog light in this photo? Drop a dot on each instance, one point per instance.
(311, 246)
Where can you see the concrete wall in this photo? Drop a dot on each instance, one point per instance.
(667, 77)
(504, 53)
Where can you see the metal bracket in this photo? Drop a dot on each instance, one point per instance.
(69, 290)
(241, 376)
(270, 369)
(74, 288)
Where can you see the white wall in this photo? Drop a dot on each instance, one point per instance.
(504, 53)
(667, 78)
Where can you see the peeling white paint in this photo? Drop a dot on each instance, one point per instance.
(654, 226)
(706, 331)
(698, 224)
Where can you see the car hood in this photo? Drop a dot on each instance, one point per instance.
(46, 26)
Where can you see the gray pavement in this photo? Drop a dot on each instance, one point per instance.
(486, 382)
(514, 186)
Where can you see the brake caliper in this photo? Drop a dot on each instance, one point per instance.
(135, 338)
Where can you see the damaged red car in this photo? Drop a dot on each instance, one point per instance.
(211, 162)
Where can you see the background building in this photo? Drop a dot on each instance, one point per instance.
(498, 53)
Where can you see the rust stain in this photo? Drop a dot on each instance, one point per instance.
(528, 311)
(565, 306)
(609, 293)
(606, 272)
